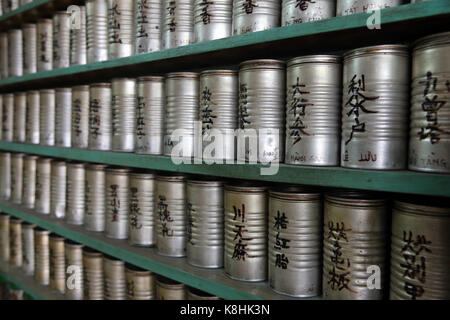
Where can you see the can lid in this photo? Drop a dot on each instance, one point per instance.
(135, 270)
(28, 25)
(262, 64)
(80, 88)
(117, 170)
(45, 160)
(246, 187)
(89, 252)
(355, 197)
(100, 85)
(295, 193)
(76, 164)
(112, 261)
(62, 12)
(4, 216)
(27, 225)
(31, 92)
(17, 155)
(399, 49)
(96, 166)
(171, 75)
(169, 283)
(151, 78)
(56, 237)
(50, 91)
(58, 163)
(46, 20)
(432, 40)
(15, 220)
(218, 72)
(72, 244)
(31, 157)
(143, 175)
(419, 205)
(63, 89)
(320, 58)
(41, 231)
(171, 177)
(124, 79)
(206, 181)
(19, 93)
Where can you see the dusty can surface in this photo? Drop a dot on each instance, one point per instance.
(15, 242)
(245, 232)
(121, 28)
(32, 117)
(43, 179)
(96, 30)
(16, 177)
(94, 219)
(375, 108)
(41, 256)
(115, 279)
(8, 117)
(80, 117)
(20, 108)
(61, 39)
(47, 117)
(4, 236)
(58, 189)
(4, 67)
(347, 7)
(75, 205)
(212, 19)
(15, 53)
(78, 41)
(148, 25)
(429, 136)
(205, 227)
(28, 248)
(29, 33)
(168, 289)
(74, 270)
(313, 95)
(100, 126)
(195, 294)
(117, 203)
(178, 23)
(140, 283)
(93, 275)
(255, 15)
(29, 181)
(57, 263)
(5, 175)
(63, 117)
(355, 243)
(123, 108)
(294, 11)
(44, 44)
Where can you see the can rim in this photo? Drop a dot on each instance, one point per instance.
(323, 58)
(92, 252)
(384, 48)
(72, 244)
(15, 220)
(17, 154)
(169, 283)
(355, 198)
(247, 187)
(45, 160)
(196, 293)
(205, 181)
(28, 225)
(76, 164)
(100, 85)
(31, 156)
(96, 166)
(262, 64)
(135, 270)
(191, 75)
(81, 87)
(117, 170)
(63, 89)
(174, 178)
(142, 175)
(441, 38)
(151, 78)
(294, 193)
(219, 72)
(422, 207)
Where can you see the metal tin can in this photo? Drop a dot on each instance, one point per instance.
(171, 207)
(212, 19)
(117, 203)
(57, 263)
(375, 108)
(205, 229)
(121, 28)
(140, 283)
(313, 95)
(16, 177)
(115, 279)
(29, 181)
(8, 117)
(148, 25)
(142, 217)
(93, 274)
(194, 294)
(4, 67)
(245, 232)
(61, 39)
(80, 117)
(97, 30)
(15, 53)
(347, 7)
(355, 240)
(295, 241)
(150, 115)
(100, 126)
(28, 248)
(32, 117)
(167, 289)
(47, 117)
(429, 136)
(5, 175)
(420, 250)
(294, 11)
(123, 108)
(74, 270)
(58, 189)
(29, 33)
(75, 205)
(15, 242)
(182, 89)
(261, 110)
(20, 108)
(9, 5)
(63, 117)
(43, 179)
(41, 256)
(178, 24)
(44, 44)
(218, 113)
(78, 40)
(94, 219)
(255, 15)
(4, 236)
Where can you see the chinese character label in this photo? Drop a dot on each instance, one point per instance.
(240, 247)
(298, 107)
(164, 216)
(281, 223)
(243, 113)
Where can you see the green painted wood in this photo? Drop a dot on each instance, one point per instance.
(389, 181)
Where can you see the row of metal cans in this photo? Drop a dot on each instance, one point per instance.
(108, 29)
(304, 241)
(10, 5)
(79, 272)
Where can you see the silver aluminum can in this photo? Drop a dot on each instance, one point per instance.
(205, 227)
(15, 242)
(115, 279)
(28, 248)
(150, 115)
(100, 126)
(194, 294)
(4, 66)
(245, 232)
(123, 107)
(117, 203)
(80, 117)
(355, 238)
(212, 19)
(20, 109)
(9, 5)
(262, 109)
(178, 23)
(94, 219)
(182, 111)
(93, 274)
(295, 242)
(78, 41)
(140, 283)
(75, 205)
(32, 117)
(5, 175)
(218, 113)
(4, 236)
(41, 256)
(295, 11)
(142, 216)
(63, 117)
(58, 189)
(121, 28)
(47, 117)
(74, 270)
(57, 263)
(29, 32)
(429, 135)
(8, 117)
(148, 25)
(16, 177)
(44, 44)
(255, 15)
(97, 30)
(347, 7)
(29, 181)
(168, 289)
(420, 250)
(375, 108)
(61, 39)
(313, 95)
(15, 53)
(43, 179)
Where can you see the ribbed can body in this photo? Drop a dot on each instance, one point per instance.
(8, 117)
(117, 203)
(4, 67)
(293, 11)
(178, 23)
(28, 249)
(245, 232)
(75, 205)
(93, 275)
(44, 44)
(347, 7)
(140, 284)
(355, 240)
(313, 95)
(5, 175)
(123, 107)
(94, 219)
(97, 30)
(61, 39)
(100, 126)
(41, 256)
(255, 15)
(420, 251)
(29, 181)
(115, 279)
(80, 117)
(78, 41)
(4, 236)
(29, 33)
(121, 28)
(63, 117)
(20, 109)
(32, 117)
(429, 136)
(57, 263)
(74, 270)
(15, 243)
(58, 189)
(47, 117)
(212, 19)
(43, 178)
(16, 177)
(375, 108)
(167, 289)
(148, 25)
(205, 227)
(15, 53)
